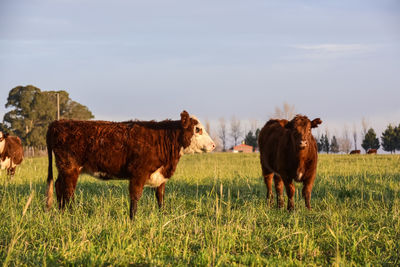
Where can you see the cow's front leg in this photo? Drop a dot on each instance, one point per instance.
(160, 191)
(135, 193)
(306, 192)
(290, 190)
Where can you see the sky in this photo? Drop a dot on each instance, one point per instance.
(337, 60)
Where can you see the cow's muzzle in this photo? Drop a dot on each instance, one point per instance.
(303, 144)
(210, 147)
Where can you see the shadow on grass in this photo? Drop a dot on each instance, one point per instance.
(238, 191)
(91, 188)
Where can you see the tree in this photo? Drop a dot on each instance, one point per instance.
(364, 124)
(222, 133)
(33, 110)
(319, 143)
(287, 112)
(388, 139)
(355, 136)
(324, 143)
(397, 138)
(252, 139)
(344, 144)
(253, 125)
(334, 148)
(235, 130)
(207, 126)
(3, 127)
(370, 140)
(344, 141)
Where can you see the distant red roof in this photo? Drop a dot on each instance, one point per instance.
(243, 148)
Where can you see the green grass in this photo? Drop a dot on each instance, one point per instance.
(215, 214)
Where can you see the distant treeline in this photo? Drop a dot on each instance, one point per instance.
(32, 110)
(390, 141)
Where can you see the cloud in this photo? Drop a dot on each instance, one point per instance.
(334, 48)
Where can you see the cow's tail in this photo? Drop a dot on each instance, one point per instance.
(50, 181)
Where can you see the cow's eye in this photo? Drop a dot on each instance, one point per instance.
(198, 130)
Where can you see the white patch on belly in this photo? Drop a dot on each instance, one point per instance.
(99, 174)
(156, 178)
(2, 145)
(104, 176)
(5, 164)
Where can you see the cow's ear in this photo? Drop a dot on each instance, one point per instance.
(315, 122)
(185, 119)
(5, 135)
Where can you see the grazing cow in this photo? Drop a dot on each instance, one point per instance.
(11, 153)
(372, 151)
(288, 152)
(144, 152)
(355, 152)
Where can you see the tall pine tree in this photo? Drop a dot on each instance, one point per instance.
(334, 145)
(324, 142)
(388, 139)
(319, 143)
(370, 140)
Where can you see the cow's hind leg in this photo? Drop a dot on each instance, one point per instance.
(65, 185)
(279, 191)
(268, 182)
(160, 191)
(290, 190)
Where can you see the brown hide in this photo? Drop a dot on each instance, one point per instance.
(288, 152)
(372, 151)
(355, 152)
(130, 150)
(12, 149)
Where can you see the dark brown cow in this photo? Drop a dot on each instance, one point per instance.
(11, 153)
(355, 152)
(288, 152)
(143, 152)
(372, 151)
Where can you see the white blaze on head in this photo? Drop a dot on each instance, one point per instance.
(201, 141)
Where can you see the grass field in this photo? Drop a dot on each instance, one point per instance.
(215, 214)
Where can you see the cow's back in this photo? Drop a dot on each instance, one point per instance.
(271, 143)
(96, 144)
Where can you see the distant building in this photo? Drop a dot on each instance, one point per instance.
(242, 148)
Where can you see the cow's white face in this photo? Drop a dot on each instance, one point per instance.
(201, 141)
(2, 142)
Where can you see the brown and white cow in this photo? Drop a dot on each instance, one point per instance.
(11, 153)
(288, 152)
(354, 152)
(372, 151)
(144, 152)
